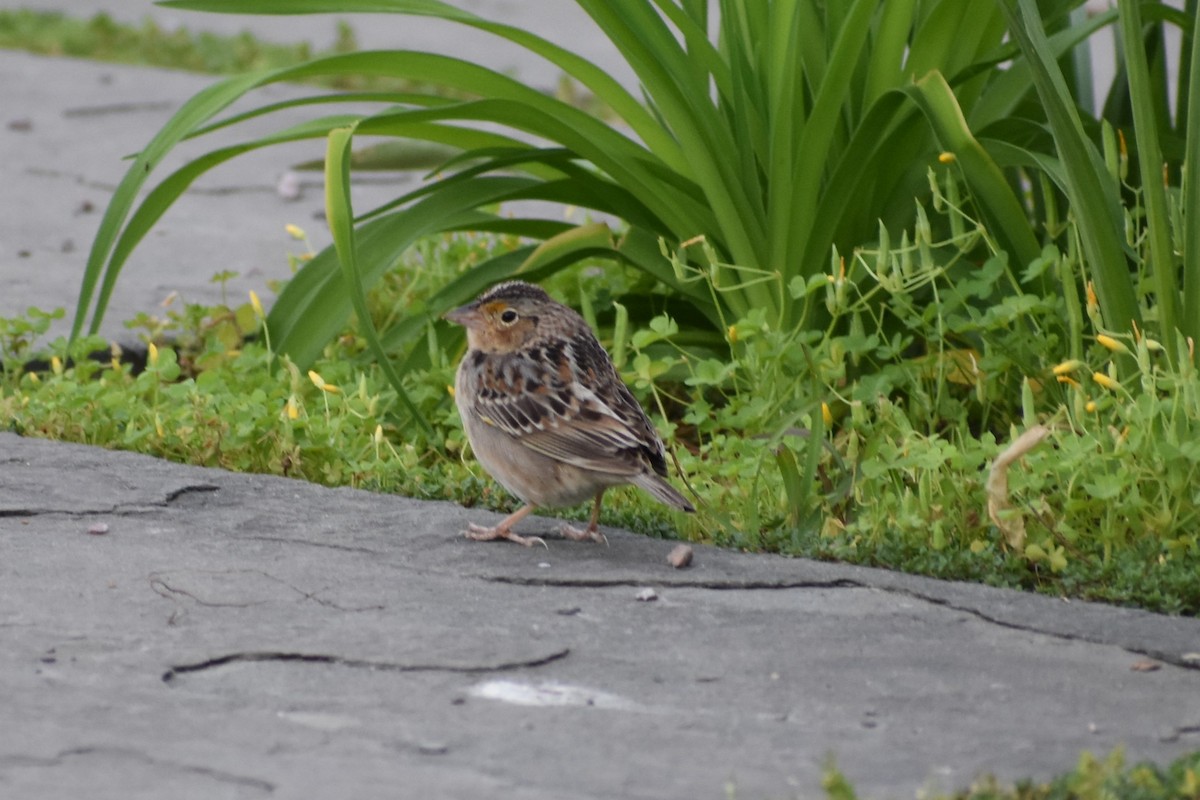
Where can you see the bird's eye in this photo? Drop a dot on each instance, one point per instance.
(508, 317)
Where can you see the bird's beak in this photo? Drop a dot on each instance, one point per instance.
(463, 315)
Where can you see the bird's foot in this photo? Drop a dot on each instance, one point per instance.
(590, 534)
(482, 533)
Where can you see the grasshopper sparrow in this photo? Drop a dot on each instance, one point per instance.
(546, 413)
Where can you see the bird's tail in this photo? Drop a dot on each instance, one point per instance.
(663, 491)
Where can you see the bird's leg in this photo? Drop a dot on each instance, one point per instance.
(591, 533)
(482, 533)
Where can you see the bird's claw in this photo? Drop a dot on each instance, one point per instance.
(590, 534)
(482, 533)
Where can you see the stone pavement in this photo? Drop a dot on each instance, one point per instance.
(190, 633)
(245, 636)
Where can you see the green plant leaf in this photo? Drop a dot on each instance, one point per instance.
(1191, 188)
(1093, 196)
(1001, 208)
(1161, 261)
(341, 224)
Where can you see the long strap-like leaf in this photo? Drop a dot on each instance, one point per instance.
(1094, 201)
(340, 214)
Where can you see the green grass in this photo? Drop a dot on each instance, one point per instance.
(102, 39)
(1091, 779)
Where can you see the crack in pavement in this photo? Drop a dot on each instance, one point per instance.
(191, 488)
(1184, 661)
(18, 512)
(137, 755)
(356, 663)
(117, 509)
(159, 583)
(673, 583)
(1174, 732)
(118, 108)
(345, 548)
(1174, 659)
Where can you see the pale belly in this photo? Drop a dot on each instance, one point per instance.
(534, 478)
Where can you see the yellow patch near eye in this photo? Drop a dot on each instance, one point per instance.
(495, 307)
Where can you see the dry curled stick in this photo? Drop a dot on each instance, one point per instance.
(1011, 523)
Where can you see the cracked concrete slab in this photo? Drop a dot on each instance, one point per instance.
(267, 637)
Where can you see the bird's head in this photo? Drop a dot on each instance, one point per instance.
(505, 318)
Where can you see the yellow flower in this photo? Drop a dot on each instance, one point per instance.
(1069, 381)
(291, 409)
(378, 434)
(1105, 381)
(320, 383)
(1067, 366)
(256, 304)
(946, 157)
(34, 379)
(295, 231)
(1112, 344)
(1090, 407)
(826, 415)
(1093, 304)
(731, 334)
(450, 390)
(152, 355)
(56, 365)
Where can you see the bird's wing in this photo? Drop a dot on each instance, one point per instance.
(567, 402)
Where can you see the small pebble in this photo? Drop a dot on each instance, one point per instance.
(681, 556)
(288, 187)
(98, 529)
(646, 595)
